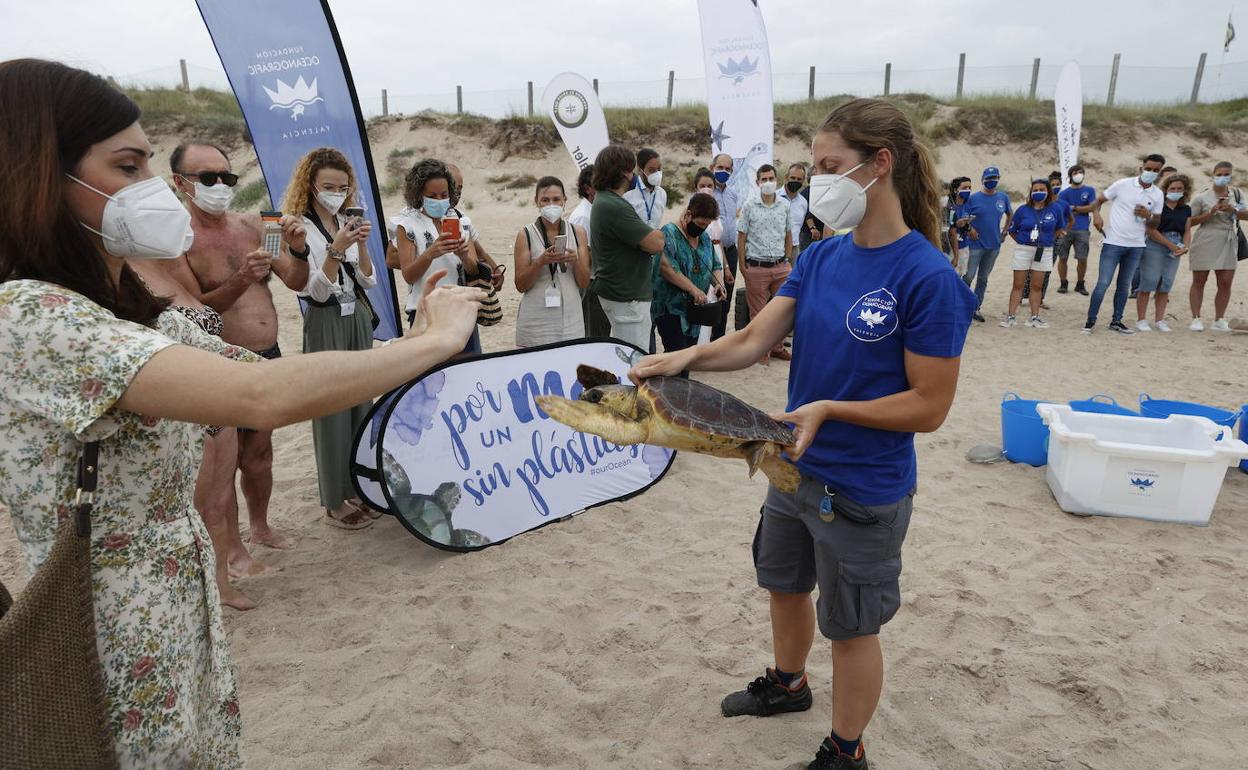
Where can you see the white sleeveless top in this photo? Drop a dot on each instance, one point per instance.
(537, 324)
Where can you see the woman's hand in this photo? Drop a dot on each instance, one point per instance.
(806, 420)
(662, 365)
(444, 245)
(1177, 251)
(552, 256)
(363, 228)
(974, 234)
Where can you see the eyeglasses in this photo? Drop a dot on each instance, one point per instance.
(210, 178)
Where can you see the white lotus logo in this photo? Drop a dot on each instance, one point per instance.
(871, 318)
(294, 98)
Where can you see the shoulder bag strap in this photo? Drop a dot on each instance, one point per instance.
(88, 479)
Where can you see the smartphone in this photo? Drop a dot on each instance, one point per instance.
(450, 227)
(561, 243)
(272, 221)
(354, 213)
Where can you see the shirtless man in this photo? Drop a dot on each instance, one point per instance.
(233, 276)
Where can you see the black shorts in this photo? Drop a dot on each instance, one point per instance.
(271, 354)
(852, 552)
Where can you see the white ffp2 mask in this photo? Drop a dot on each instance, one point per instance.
(837, 200)
(144, 220)
(213, 200)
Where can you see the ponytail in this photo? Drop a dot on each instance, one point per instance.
(869, 125)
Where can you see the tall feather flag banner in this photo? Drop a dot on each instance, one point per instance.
(288, 71)
(738, 85)
(1068, 104)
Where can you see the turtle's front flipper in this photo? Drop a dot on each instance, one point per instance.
(593, 418)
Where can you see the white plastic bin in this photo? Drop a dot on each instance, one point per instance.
(1141, 467)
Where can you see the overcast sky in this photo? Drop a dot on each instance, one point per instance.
(419, 46)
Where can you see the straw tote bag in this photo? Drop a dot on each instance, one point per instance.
(51, 684)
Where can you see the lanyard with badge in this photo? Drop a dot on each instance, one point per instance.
(553, 296)
(653, 197)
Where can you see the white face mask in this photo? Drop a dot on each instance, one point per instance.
(655, 179)
(552, 214)
(144, 220)
(1077, 179)
(213, 200)
(838, 200)
(332, 200)
(767, 188)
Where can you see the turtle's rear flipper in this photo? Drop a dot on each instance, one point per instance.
(765, 456)
(594, 419)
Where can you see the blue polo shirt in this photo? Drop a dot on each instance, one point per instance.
(1047, 220)
(1078, 196)
(988, 209)
(858, 311)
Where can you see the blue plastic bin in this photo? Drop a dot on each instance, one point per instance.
(1024, 436)
(1153, 407)
(1102, 404)
(1243, 434)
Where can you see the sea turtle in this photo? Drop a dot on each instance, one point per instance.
(430, 514)
(679, 414)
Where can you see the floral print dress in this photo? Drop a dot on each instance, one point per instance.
(64, 363)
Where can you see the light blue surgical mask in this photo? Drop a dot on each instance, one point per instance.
(1174, 196)
(1039, 195)
(435, 207)
(1148, 177)
(1222, 181)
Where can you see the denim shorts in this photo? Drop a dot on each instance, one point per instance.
(1158, 266)
(851, 551)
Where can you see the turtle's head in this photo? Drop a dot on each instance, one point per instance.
(618, 398)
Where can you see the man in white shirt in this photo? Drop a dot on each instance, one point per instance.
(1135, 204)
(793, 184)
(765, 247)
(647, 195)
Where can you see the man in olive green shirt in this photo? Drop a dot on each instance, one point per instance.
(623, 249)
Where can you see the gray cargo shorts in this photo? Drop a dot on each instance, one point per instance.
(1077, 238)
(852, 552)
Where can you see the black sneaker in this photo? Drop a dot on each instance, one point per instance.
(1088, 326)
(1120, 327)
(1081, 289)
(979, 317)
(1064, 288)
(766, 696)
(830, 757)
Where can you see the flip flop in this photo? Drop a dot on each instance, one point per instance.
(352, 521)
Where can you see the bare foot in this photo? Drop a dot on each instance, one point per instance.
(232, 597)
(270, 537)
(246, 566)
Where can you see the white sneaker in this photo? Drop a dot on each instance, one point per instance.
(1037, 322)
(1143, 326)
(1197, 325)
(1162, 326)
(1008, 322)
(1221, 325)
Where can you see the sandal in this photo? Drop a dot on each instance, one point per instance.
(352, 521)
(364, 508)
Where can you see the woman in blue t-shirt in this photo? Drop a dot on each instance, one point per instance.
(1034, 228)
(878, 320)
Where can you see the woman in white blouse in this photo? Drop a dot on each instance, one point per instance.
(338, 315)
(552, 269)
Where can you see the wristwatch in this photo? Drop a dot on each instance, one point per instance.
(332, 253)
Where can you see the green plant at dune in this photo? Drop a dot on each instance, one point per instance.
(253, 195)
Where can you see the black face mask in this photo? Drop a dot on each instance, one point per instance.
(694, 230)
(793, 187)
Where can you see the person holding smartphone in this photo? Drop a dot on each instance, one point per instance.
(878, 322)
(338, 316)
(552, 268)
(1216, 213)
(426, 239)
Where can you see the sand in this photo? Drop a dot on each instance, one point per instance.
(1027, 638)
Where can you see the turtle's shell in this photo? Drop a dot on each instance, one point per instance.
(703, 409)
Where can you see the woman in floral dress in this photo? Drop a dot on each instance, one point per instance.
(87, 353)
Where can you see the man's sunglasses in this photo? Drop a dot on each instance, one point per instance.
(210, 178)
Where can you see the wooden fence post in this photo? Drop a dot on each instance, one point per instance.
(530, 98)
(1035, 77)
(888, 77)
(385, 104)
(671, 85)
(1200, 73)
(186, 81)
(1113, 80)
(459, 100)
(811, 95)
(961, 72)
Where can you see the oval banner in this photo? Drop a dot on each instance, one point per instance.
(465, 458)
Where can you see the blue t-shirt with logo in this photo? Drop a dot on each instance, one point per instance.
(988, 209)
(858, 311)
(1078, 196)
(1047, 221)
